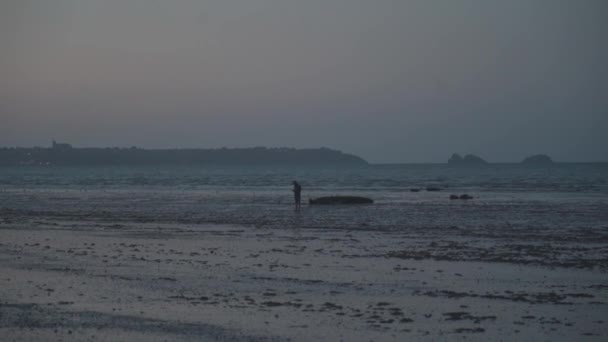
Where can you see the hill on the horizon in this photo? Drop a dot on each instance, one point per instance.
(65, 154)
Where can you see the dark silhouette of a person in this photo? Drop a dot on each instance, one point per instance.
(297, 193)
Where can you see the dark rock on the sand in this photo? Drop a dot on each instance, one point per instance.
(469, 330)
(463, 315)
(457, 316)
(462, 197)
(433, 188)
(271, 303)
(469, 159)
(538, 160)
(332, 306)
(167, 278)
(341, 200)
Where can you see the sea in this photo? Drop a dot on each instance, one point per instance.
(564, 197)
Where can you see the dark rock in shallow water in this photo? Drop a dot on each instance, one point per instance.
(538, 159)
(454, 197)
(433, 188)
(414, 189)
(341, 200)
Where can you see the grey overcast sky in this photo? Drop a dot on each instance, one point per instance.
(389, 80)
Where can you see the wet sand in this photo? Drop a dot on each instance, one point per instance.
(89, 279)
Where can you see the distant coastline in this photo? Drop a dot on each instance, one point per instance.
(65, 154)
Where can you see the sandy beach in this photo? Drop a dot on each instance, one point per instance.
(303, 171)
(89, 279)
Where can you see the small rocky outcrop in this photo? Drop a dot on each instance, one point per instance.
(473, 159)
(469, 159)
(455, 159)
(461, 197)
(538, 159)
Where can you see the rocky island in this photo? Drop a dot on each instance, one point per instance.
(469, 159)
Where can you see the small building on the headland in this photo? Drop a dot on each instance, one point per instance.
(61, 146)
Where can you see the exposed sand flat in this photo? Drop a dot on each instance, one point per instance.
(92, 280)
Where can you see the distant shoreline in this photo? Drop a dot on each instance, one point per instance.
(65, 154)
(333, 165)
(488, 164)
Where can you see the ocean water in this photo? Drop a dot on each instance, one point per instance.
(563, 198)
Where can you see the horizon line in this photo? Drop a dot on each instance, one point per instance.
(299, 148)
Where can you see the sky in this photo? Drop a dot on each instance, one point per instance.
(388, 80)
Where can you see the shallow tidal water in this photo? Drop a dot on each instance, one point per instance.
(155, 253)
